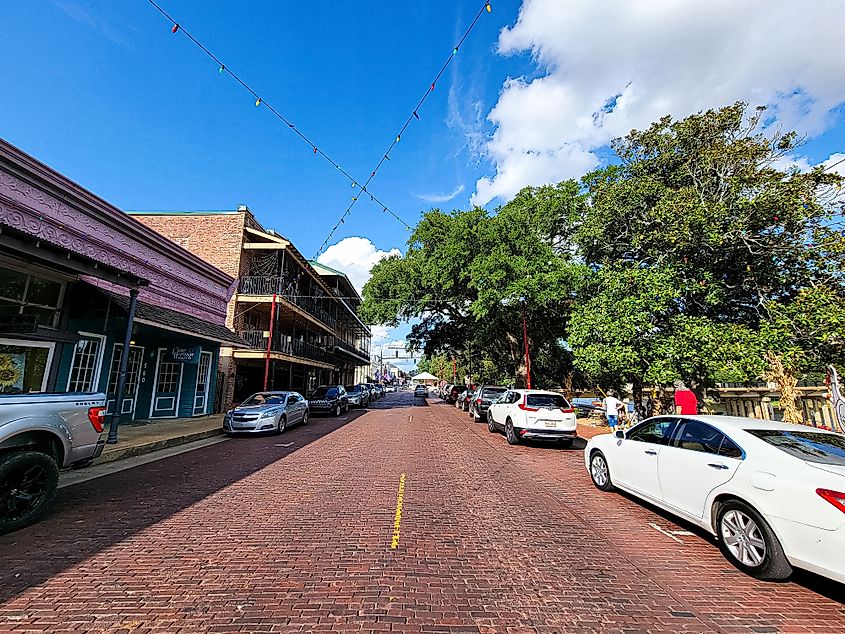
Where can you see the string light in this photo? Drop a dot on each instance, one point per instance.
(221, 68)
(258, 101)
(414, 114)
(489, 8)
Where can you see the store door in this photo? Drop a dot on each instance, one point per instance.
(133, 372)
(203, 383)
(167, 387)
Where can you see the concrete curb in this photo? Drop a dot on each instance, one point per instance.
(130, 451)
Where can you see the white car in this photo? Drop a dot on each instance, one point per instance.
(389, 388)
(533, 414)
(772, 493)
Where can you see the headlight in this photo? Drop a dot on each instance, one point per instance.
(267, 414)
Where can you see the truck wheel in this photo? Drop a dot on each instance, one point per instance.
(28, 481)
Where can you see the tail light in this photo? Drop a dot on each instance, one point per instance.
(525, 408)
(834, 497)
(478, 401)
(567, 410)
(97, 416)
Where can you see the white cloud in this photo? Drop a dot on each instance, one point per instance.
(440, 198)
(356, 257)
(614, 65)
(835, 163)
(380, 333)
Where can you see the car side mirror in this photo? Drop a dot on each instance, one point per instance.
(620, 434)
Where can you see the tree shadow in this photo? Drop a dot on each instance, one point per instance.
(89, 517)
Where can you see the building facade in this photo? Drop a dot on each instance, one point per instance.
(71, 265)
(299, 318)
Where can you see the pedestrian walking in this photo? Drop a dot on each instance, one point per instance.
(612, 405)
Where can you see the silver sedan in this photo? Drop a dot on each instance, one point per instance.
(267, 412)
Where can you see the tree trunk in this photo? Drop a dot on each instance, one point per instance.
(786, 383)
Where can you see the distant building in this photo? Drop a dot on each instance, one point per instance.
(70, 266)
(317, 337)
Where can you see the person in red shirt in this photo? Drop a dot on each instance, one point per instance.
(685, 400)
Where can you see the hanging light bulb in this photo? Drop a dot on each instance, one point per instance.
(372, 175)
(258, 102)
(488, 7)
(455, 51)
(431, 88)
(221, 69)
(175, 28)
(398, 137)
(315, 149)
(354, 184)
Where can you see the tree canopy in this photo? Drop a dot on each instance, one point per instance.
(690, 257)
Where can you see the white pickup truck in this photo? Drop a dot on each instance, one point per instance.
(40, 434)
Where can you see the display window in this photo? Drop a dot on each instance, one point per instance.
(24, 365)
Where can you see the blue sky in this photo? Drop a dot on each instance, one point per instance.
(102, 91)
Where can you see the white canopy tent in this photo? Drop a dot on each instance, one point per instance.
(424, 377)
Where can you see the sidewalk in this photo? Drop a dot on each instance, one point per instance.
(140, 437)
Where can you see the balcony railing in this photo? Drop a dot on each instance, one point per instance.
(294, 348)
(358, 352)
(266, 286)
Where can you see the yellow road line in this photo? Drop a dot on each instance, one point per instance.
(397, 519)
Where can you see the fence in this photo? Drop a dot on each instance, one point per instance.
(759, 402)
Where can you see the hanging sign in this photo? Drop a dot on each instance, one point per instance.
(181, 354)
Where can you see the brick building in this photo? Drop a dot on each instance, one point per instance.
(299, 317)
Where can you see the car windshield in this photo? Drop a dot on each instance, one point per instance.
(546, 400)
(492, 392)
(324, 392)
(353, 388)
(265, 398)
(806, 445)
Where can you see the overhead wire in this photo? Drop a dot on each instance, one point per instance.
(414, 115)
(259, 101)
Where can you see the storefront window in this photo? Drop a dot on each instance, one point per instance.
(24, 366)
(30, 296)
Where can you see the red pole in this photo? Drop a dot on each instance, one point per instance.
(269, 342)
(454, 369)
(527, 358)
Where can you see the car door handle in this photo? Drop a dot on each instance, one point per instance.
(717, 466)
(651, 452)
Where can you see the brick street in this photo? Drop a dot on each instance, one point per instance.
(250, 535)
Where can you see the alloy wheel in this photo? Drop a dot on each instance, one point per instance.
(598, 469)
(743, 538)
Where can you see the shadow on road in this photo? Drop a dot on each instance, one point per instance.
(89, 517)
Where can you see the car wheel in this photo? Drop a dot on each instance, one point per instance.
(510, 433)
(749, 543)
(305, 418)
(338, 410)
(565, 443)
(491, 426)
(28, 481)
(283, 425)
(599, 472)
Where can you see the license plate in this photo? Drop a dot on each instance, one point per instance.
(550, 423)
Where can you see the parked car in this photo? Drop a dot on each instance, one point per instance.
(533, 414)
(329, 399)
(267, 412)
(453, 394)
(373, 391)
(40, 434)
(380, 390)
(480, 402)
(389, 388)
(421, 391)
(772, 493)
(466, 398)
(460, 399)
(359, 395)
(446, 391)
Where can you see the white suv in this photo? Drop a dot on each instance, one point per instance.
(533, 414)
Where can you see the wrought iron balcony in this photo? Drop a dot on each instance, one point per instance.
(294, 348)
(268, 285)
(353, 350)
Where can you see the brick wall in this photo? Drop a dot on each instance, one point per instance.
(216, 238)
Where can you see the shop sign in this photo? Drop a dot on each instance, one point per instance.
(181, 354)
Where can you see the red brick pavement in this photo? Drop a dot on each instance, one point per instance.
(251, 536)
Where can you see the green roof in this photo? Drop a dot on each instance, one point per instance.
(326, 270)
